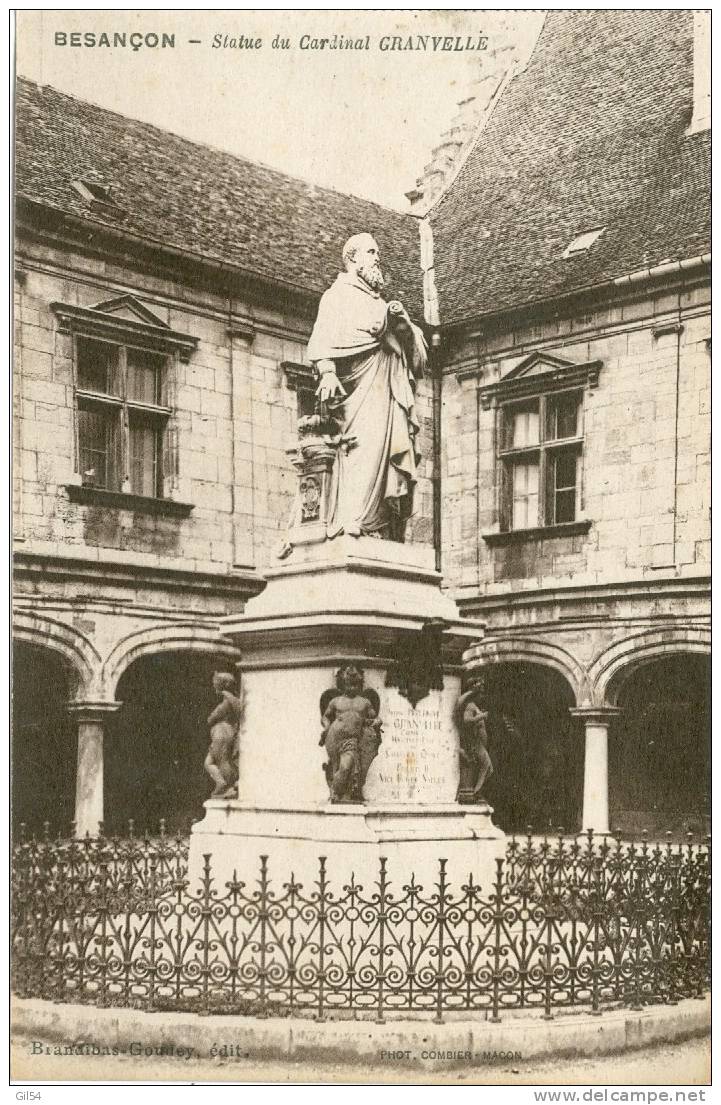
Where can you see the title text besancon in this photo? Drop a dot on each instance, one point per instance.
(116, 39)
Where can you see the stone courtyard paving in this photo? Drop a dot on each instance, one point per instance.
(685, 1063)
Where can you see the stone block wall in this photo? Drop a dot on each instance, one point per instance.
(645, 474)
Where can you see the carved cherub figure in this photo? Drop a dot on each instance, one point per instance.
(475, 763)
(351, 733)
(221, 762)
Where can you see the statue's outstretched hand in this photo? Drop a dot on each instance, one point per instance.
(330, 387)
(396, 308)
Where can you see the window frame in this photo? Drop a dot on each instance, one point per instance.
(543, 452)
(303, 380)
(158, 414)
(538, 373)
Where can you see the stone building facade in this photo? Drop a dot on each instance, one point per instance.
(164, 296)
(157, 386)
(576, 486)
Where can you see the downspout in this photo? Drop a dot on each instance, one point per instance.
(233, 416)
(435, 363)
(431, 315)
(679, 330)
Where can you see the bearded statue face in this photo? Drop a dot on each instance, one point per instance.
(362, 257)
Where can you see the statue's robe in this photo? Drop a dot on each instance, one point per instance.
(371, 484)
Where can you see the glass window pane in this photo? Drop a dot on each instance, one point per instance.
(564, 478)
(144, 376)
(97, 434)
(143, 459)
(564, 416)
(565, 470)
(525, 427)
(525, 496)
(97, 366)
(566, 506)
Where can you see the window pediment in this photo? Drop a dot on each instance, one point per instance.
(537, 373)
(131, 309)
(124, 319)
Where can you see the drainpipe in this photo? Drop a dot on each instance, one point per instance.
(435, 363)
(431, 314)
(679, 330)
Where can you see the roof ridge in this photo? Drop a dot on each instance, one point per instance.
(21, 79)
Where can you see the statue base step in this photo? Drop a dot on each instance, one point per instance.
(352, 838)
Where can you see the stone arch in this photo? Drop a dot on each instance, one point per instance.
(531, 650)
(179, 637)
(610, 669)
(75, 648)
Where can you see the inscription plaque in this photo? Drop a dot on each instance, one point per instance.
(418, 760)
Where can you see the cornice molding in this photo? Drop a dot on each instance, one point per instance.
(43, 223)
(91, 322)
(58, 568)
(556, 376)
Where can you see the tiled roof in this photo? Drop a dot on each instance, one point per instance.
(202, 200)
(591, 134)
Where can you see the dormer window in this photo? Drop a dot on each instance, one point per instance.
(99, 194)
(583, 242)
(91, 189)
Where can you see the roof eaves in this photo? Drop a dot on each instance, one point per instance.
(175, 251)
(639, 276)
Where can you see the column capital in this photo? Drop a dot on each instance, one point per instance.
(92, 711)
(600, 715)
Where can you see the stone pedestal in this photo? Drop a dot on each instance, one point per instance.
(351, 838)
(366, 601)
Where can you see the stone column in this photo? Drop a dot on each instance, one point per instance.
(595, 773)
(91, 719)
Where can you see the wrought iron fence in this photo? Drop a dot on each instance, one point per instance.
(567, 923)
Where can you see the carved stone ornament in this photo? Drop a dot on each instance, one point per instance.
(312, 455)
(418, 666)
(351, 733)
(309, 488)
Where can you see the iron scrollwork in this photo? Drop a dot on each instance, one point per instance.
(566, 924)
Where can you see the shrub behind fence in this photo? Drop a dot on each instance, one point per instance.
(567, 923)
